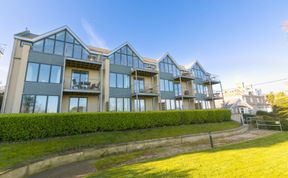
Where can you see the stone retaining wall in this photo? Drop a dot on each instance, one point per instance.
(86, 154)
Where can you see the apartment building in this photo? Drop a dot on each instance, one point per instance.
(57, 72)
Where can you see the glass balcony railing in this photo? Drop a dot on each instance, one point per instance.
(82, 85)
(146, 90)
(211, 79)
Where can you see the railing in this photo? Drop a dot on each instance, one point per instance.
(212, 77)
(86, 85)
(151, 89)
(216, 94)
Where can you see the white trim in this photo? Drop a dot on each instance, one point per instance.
(197, 62)
(165, 55)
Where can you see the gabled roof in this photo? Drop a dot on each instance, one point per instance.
(132, 48)
(196, 63)
(237, 102)
(34, 38)
(165, 55)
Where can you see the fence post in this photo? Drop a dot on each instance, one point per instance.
(211, 140)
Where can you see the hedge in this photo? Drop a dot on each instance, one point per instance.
(16, 127)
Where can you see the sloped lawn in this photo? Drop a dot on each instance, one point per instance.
(18, 153)
(263, 157)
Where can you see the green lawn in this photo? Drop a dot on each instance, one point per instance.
(12, 154)
(263, 157)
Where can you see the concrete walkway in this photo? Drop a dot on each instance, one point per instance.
(81, 169)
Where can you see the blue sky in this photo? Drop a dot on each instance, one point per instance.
(241, 41)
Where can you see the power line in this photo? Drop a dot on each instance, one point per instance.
(263, 83)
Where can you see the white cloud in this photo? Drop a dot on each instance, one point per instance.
(94, 38)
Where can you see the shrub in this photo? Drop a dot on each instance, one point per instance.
(15, 127)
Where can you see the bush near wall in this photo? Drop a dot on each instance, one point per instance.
(15, 127)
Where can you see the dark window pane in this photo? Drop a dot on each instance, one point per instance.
(59, 47)
(119, 80)
(60, 36)
(77, 51)
(136, 62)
(82, 105)
(129, 51)
(32, 72)
(123, 59)
(27, 104)
(117, 58)
(55, 74)
(141, 65)
(73, 105)
(49, 46)
(129, 60)
(111, 58)
(40, 104)
(124, 50)
(44, 73)
(162, 87)
(52, 105)
(126, 81)
(69, 37)
(52, 37)
(85, 54)
(38, 46)
(68, 49)
(112, 80)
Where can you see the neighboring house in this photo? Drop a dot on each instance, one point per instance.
(237, 106)
(245, 100)
(57, 72)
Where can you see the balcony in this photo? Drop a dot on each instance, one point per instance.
(185, 76)
(211, 80)
(214, 96)
(90, 63)
(82, 87)
(186, 95)
(146, 71)
(148, 92)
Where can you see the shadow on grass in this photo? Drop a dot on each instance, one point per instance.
(143, 173)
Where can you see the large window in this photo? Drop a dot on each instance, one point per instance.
(43, 73)
(139, 85)
(119, 104)
(39, 104)
(49, 46)
(63, 43)
(55, 74)
(32, 72)
(126, 57)
(78, 104)
(172, 104)
(139, 105)
(119, 80)
(166, 85)
(178, 89)
(168, 66)
(198, 72)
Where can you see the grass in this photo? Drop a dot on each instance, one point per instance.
(262, 157)
(12, 154)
